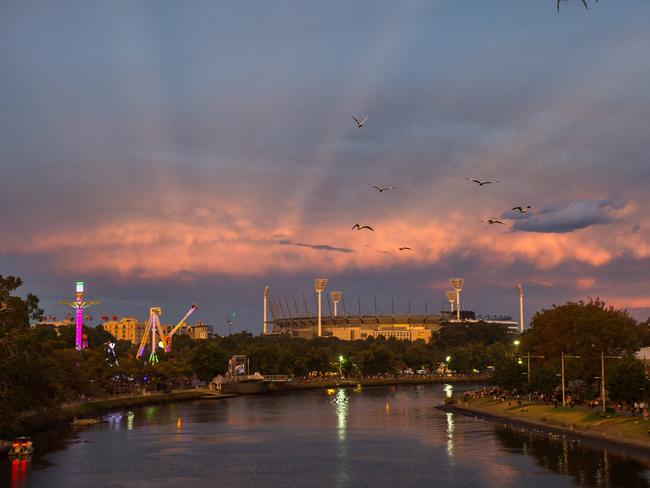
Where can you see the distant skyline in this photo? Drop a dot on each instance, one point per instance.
(168, 153)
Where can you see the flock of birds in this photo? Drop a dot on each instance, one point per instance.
(360, 121)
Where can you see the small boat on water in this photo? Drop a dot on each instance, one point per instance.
(84, 422)
(21, 448)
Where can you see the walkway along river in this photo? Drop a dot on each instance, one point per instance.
(368, 437)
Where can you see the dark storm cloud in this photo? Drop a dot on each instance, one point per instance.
(318, 247)
(576, 215)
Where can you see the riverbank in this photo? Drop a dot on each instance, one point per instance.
(611, 429)
(38, 421)
(370, 382)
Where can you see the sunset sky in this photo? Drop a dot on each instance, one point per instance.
(177, 152)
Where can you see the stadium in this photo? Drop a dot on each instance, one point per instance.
(287, 317)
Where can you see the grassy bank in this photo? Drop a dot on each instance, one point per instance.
(620, 429)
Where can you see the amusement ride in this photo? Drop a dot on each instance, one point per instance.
(153, 328)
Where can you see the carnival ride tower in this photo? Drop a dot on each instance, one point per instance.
(79, 305)
(153, 326)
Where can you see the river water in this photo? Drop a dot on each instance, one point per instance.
(371, 437)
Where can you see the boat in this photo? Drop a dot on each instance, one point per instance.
(84, 422)
(21, 448)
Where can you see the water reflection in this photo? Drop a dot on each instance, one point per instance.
(450, 436)
(341, 406)
(572, 458)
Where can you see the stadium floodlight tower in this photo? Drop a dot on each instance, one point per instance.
(520, 290)
(266, 298)
(79, 304)
(457, 283)
(336, 298)
(320, 284)
(451, 296)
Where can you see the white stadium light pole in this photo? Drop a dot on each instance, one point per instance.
(451, 297)
(266, 297)
(336, 298)
(520, 290)
(457, 283)
(320, 285)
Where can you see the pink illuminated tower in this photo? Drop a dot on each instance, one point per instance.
(79, 305)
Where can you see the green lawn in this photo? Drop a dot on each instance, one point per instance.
(612, 426)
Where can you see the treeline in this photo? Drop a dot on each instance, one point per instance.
(586, 329)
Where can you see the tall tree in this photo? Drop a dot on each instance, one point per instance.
(581, 329)
(16, 312)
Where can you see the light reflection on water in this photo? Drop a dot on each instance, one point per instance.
(344, 438)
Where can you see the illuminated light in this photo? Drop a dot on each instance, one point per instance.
(331, 391)
(448, 358)
(516, 343)
(80, 286)
(341, 359)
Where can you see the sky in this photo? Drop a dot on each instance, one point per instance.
(176, 152)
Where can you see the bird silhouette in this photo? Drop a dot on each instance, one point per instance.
(492, 221)
(522, 209)
(584, 2)
(359, 227)
(360, 123)
(382, 188)
(405, 248)
(482, 182)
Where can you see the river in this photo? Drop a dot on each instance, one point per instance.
(371, 437)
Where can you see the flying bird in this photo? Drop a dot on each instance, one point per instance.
(405, 249)
(482, 182)
(382, 188)
(360, 123)
(584, 2)
(359, 227)
(492, 221)
(522, 209)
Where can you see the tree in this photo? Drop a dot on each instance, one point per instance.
(581, 329)
(509, 374)
(543, 380)
(626, 380)
(14, 311)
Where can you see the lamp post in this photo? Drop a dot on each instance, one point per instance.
(602, 377)
(320, 284)
(528, 356)
(520, 290)
(336, 298)
(457, 283)
(451, 297)
(563, 384)
(447, 361)
(266, 297)
(341, 359)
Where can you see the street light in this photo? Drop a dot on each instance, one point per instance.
(602, 372)
(320, 284)
(457, 283)
(563, 385)
(341, 359)
(447, 361)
